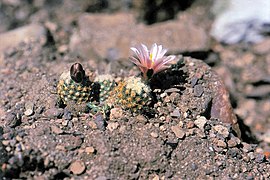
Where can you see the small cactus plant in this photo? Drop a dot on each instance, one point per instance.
(106, 84)
(74, 85)
(131, 93)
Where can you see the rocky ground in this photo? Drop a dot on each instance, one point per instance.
(194, 129)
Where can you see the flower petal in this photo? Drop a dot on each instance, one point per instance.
(163, 63)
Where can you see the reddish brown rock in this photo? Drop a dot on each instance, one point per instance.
(25, 33)
(111, 36)
(221, 106)
(215, 97)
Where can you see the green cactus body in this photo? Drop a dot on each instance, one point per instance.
(131, 93)
(106, 84)
(69, 90)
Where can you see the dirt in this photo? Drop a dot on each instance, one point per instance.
(193, 129)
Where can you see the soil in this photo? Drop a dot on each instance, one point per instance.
(192, 130)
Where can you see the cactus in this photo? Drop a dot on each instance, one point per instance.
(131, 93)
(74, 86)
(106, 84)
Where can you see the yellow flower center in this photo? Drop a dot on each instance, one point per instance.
(150, 57)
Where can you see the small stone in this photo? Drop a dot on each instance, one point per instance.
(190, 132)
(116, 113)
(56, 130)
(100, 121)
(233, 142)
(162, 128)
(221, 130)
(112, 126)
(154, 134)
(70, 142)
(198, 90)
(190, 124)
(29, 108)
(259, 158)
(54, 113)
(251, 155)
(67, 115)
(200, 122)
(156, 177)
(77, 167)
(141, 118)
(221, 143)
(194, 81)
(90, 150)
(163, 95)
(234, 153)
(12, 142)
(39, 110)
(194, 166)
(5, 142)
(18, 138)
(13, 120)
(200, 133)
(246, 158)
(92, 124)
(179, 132)
(175, 113)
(8, 149)
(247, 147)
(65, 123)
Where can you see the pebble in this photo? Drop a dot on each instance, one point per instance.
(190, 132)
(71, 142)
(233, 142)
(221, 143)
(179, 132)
(112, 126)
(39, 110)
(65, 123)
(154, 134)
(221, 130)
(54, 113)
(200, 122)
(156, 177)
(175, 113)
(5, 142)
(29, 108)
(56, 130)
(142, 119)
(90, 150)
(198, 90)
(174, 97)
(116, 113)
(194, 166)
(77, 167)
(13, 120)
(247, 147)
(67, 115)
(92, 124)
(190, 124)
(251, 155)
(100, 122)
(201, 134)
(234, 153)
(162, 128)
(194, 81)
(259, 158)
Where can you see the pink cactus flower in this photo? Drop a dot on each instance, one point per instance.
(151, 60)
